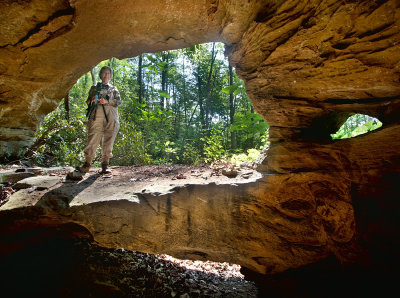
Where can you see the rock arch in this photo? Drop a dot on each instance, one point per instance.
(306, 65)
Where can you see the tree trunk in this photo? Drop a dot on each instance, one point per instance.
(177, 110)
(93, 77)
(199, 86)
(112, 64)
(66, 105)
(231, 108)
(164, 78)
(184, 92)
(208, 86)
(140, 89)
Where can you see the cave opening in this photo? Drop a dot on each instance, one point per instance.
(183, 106)
(356, 125)
(61, 137)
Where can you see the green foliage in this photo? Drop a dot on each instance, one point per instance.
(130, 148)
(214, 145)
(171, 152)
(59, 142)
(234, 89)
(183, 114)
(251, 122)
(191, 154)
(251, 156)
(356, 125)
(164, 94)
(251, 129)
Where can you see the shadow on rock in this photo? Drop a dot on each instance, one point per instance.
(62, 196)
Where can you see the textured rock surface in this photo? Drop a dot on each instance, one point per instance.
(308, 65)
(268, 225)
(45, 48)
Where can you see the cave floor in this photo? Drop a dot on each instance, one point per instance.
(62, 261)
(123, 184)
(105, 271)
(60, 267)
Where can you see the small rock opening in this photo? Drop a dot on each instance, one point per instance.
(356, 125)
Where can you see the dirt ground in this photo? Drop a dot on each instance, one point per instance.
(175, 175)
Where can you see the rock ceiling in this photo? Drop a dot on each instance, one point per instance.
(307, 65)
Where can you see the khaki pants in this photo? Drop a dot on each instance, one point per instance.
(101, 130)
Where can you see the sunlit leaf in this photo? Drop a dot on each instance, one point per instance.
(164, 94)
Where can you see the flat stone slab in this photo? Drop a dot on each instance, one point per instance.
(57, 170)
(22, 198)
(14, 177)
(44, 171)
(127, 184)
(40, 182)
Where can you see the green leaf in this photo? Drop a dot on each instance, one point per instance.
(162, 65)
(153, 68)
(164, 94)
(226, 90)
(237, 91)
(151, 58)
(231, 89)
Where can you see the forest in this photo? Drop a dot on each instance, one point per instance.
(181, 106)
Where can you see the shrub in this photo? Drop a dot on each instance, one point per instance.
(213, 145)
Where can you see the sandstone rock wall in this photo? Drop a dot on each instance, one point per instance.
(308, 65)
(46, 48)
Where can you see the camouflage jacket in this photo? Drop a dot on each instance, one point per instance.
(106, 91)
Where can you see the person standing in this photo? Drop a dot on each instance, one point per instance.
(103, 121)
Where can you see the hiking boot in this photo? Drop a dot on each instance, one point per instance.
(84, 168)
(104, 169)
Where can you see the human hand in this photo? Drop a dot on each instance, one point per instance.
(103, 101)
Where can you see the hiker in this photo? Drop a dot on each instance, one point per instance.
(103, 120)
